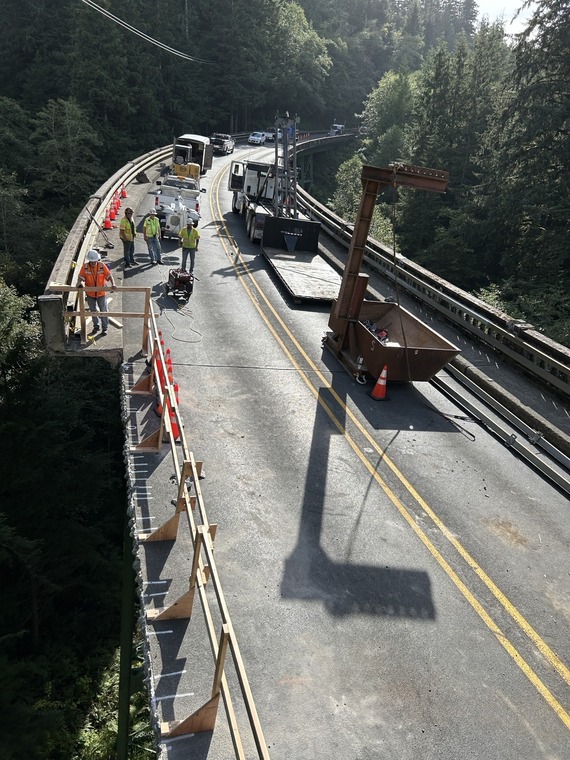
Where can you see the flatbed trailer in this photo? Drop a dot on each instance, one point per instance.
(305, 275)
(291, 247)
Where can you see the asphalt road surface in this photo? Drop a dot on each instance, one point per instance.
(397, 578)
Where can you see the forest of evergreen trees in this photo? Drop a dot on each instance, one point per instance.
(80, 95)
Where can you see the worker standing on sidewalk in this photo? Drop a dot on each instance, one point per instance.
(95, 274)
(151, 233)
(190, 237)
(127, 233)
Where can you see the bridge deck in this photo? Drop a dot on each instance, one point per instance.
(345, 622)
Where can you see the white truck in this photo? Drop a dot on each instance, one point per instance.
(175, 206)
(253, 186)
(192, 155)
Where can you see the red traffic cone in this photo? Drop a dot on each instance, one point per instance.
(107, 223)
(123, 191)
(379, 391)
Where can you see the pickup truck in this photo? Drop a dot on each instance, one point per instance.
(223, 144)
(176, 204)
(270, 134)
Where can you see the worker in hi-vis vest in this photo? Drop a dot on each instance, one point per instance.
(127, 233)
(95, 274)
(190, 237)
(151, 233)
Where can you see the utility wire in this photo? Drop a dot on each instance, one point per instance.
(144, 36)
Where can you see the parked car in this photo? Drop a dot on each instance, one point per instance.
(256, 138)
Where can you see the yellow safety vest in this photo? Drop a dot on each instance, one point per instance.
(128, 229)
(152, 226)
(189, 239)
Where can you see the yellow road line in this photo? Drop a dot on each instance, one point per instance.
(519, 619)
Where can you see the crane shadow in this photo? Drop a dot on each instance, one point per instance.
(346, 588)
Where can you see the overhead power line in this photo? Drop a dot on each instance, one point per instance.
(143, 36)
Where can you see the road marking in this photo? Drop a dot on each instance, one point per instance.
(549, 655)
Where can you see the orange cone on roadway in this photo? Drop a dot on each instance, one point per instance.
(107, 223)
(123, 191)
(379, 391)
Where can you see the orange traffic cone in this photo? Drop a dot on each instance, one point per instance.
(379, 391)
(107, 223)
(173, 421)
(123, 191)
(112, 212)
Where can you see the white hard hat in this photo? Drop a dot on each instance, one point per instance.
(152, 211)
(93, 255)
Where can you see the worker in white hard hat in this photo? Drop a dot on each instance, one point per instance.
(151, 233)
(95, 274)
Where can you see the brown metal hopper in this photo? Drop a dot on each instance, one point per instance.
(368, 335)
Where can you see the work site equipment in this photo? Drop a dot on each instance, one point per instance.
(108, 243)
(379, 391)
(367, 335)
(180, 284)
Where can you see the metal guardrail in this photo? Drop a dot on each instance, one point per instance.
(519, 341)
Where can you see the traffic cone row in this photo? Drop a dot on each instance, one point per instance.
(379, 391)
(166, 372)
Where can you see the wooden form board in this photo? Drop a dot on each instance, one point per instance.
(306, 275)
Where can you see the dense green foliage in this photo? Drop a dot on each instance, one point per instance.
(80, 95)
(496, 117)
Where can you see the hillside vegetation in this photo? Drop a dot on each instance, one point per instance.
(81, 94)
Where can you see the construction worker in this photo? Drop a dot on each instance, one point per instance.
(151, 232)
(94, 274)
(127, 233)
(190, 237)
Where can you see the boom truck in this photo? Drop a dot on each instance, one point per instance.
(192, 156)
(265, 195)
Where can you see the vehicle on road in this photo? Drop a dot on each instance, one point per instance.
(223, 144)
(174, 218)
(192, 155)
(256, 138)
(189, 183)
(270, 134)
(175, 206)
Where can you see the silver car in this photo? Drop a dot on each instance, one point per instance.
(256, 138)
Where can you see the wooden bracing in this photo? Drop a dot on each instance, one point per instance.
(204, 719)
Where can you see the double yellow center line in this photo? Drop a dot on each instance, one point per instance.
(250, 284)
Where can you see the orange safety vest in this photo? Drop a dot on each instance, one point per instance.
(95, 277)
